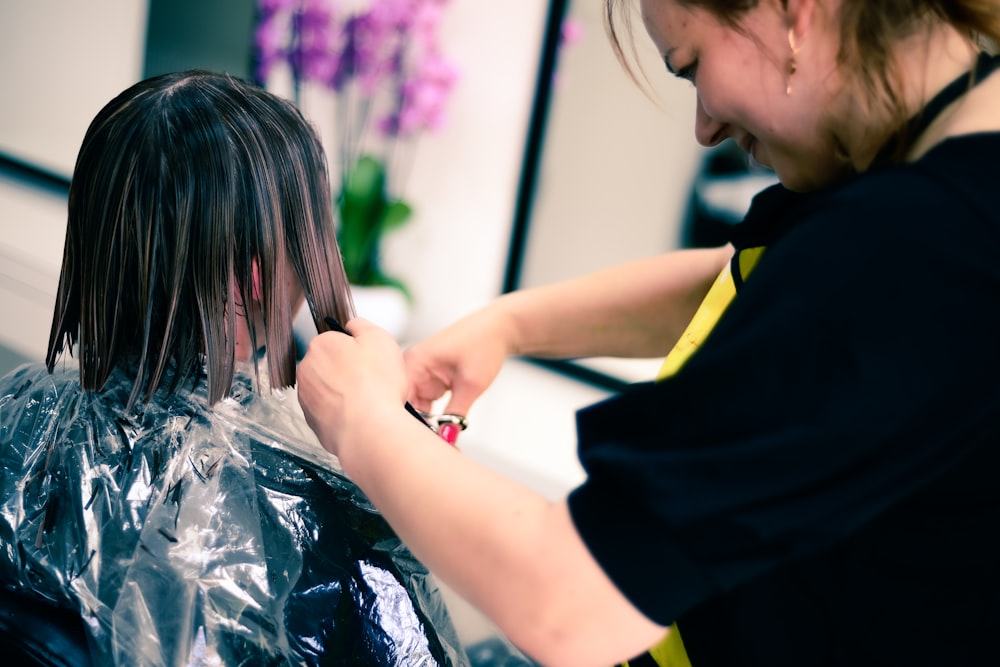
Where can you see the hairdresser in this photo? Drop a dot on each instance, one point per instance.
(812, 478)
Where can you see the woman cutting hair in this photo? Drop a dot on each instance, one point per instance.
(811, 479)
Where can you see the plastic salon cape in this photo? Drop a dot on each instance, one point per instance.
(186, 535)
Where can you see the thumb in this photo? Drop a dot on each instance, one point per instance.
(460, 408)
(461, 399)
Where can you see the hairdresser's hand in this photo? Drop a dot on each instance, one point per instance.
(464, 358)
(347, 383)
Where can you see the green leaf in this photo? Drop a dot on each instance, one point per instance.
(366, 180)
(396, 214)
(366, 214)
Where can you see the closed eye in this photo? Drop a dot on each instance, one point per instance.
(687, 73)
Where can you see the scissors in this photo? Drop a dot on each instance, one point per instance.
(446, 425)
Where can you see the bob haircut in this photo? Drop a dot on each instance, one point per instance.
(192, 193)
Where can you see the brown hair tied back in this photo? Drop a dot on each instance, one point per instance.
(869, 31)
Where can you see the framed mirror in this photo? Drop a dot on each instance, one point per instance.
(612, 171)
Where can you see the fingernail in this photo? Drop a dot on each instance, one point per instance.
(449, 433)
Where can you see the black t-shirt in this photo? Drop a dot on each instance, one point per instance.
(816, 486)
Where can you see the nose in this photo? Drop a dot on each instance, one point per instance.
(708, 131)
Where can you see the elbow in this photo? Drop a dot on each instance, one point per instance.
(555, 639)
(552, 650)
(581, 630)
(585, 647)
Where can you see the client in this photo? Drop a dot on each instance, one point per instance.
(163, 484)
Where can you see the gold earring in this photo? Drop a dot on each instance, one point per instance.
(792, 65)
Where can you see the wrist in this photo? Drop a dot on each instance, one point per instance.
(507, 322)
(368, 435)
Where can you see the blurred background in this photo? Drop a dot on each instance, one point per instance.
(549, 162)
(611, 166)
(60, 61)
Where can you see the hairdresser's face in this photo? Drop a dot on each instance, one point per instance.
(742, 79)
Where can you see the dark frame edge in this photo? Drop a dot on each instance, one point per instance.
(32, 174)
(581, 373)
(527, 186)
(533, 145)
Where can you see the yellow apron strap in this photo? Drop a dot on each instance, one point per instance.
(712, 306)
(670, 652)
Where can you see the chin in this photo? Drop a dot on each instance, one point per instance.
(796, 184)
(809, 172)
(799, 180)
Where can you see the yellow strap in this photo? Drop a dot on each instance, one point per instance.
(712, 306)
(670, 652)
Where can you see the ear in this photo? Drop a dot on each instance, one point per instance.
(255, 290)
(799, 15)
(237, 297)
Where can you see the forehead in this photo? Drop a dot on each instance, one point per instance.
(674, 26)
(668, 22)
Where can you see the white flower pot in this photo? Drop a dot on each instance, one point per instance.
(385, 306)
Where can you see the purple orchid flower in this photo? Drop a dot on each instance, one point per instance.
(379, 57)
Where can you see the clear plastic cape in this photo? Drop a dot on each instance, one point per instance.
(190, 535)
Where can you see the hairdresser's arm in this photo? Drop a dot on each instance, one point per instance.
(510, 552)
(637, 309)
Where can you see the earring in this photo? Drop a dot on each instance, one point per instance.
(792, 65)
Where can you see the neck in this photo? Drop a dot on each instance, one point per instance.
(925, 63)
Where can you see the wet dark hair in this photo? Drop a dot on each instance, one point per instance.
(184, 183)
(869, 31)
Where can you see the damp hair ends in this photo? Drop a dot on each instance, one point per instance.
(183, 184)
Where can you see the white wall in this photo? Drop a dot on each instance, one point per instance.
(618, 162)
(464, 180)
(60, 62)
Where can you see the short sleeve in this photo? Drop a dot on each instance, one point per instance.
(857, 364)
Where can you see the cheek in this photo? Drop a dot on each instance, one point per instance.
(295, 292)
(807, 167)
(734, 96)
(300, 296)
